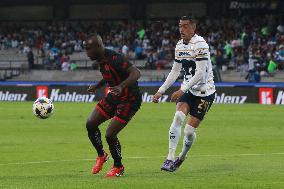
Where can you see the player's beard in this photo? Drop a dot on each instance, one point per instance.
(93, 58)
(99, 55)
(186, 38)
(96, 56)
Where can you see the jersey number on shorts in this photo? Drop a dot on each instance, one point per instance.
(204, 105)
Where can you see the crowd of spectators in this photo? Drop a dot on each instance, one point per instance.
(247, 43)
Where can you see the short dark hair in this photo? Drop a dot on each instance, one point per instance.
(189, 17)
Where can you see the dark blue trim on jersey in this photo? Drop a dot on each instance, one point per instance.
(178, 61)
(200, 59)
(142, 84)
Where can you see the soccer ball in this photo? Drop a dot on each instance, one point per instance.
(43, 108)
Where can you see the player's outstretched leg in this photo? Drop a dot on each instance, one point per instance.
(94, 135)
(115, 148)
(174, 135)
(189, 137)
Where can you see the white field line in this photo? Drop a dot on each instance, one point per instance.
(138, 157)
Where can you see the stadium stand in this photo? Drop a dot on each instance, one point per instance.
(147, 75)
(240, 47)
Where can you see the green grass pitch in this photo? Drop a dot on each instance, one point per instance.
(237, 146)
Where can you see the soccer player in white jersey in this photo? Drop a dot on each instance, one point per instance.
(196, 93)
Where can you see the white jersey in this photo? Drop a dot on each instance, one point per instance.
(188, 55)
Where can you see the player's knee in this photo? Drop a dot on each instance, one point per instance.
(90, 126)
(110, 137)
(189, 131)
(179, 118)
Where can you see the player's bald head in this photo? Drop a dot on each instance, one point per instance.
(94, 40)
(94, 47)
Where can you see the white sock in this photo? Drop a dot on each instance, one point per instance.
(174, 133)
(188, 139)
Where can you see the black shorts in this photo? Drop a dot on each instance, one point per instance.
(119, 109)
(199, 106)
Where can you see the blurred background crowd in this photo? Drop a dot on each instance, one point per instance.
(246, 43)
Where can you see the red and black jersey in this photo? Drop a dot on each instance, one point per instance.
(114, 70)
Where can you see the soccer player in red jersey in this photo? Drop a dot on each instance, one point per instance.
(119, 105)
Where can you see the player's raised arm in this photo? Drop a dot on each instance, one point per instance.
(171, 78)
(134, 75)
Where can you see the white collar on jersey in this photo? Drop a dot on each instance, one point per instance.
(189, 40)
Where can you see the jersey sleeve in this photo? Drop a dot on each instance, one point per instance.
(201, 51)
(171, 78)
(121, 63)
(177, 57)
